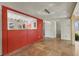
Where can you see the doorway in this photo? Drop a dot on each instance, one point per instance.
(58, 30)
(76, 30)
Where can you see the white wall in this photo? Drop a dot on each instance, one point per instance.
(76, 10)
(0, 31)
(53, 29)
(65, 30)
(50, 29)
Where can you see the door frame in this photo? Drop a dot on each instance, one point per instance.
(73, 28)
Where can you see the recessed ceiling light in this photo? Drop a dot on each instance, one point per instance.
(50, 5)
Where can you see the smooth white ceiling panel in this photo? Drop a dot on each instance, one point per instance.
(56, 9)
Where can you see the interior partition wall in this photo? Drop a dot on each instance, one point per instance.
(19, 30)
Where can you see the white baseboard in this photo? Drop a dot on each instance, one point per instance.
(51, 36)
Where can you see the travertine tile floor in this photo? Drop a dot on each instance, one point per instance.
(49, 47)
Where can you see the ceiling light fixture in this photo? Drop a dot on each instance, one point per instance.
(46, 11)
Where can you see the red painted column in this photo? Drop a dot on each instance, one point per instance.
(40, 29)
(4, 31)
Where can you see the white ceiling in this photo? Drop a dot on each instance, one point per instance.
(57, 9)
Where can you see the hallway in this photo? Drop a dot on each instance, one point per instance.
(48, 47)
(23, 24)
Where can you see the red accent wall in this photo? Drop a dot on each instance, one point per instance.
(4, 31)
(15, 39)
